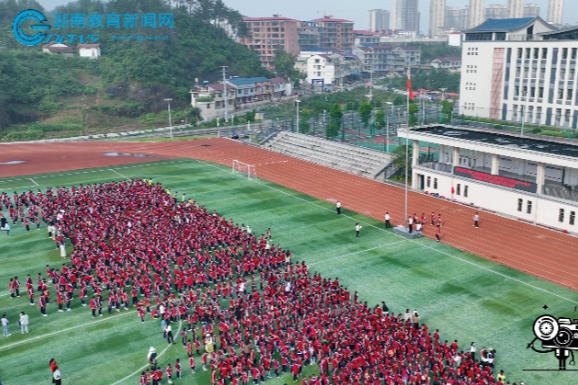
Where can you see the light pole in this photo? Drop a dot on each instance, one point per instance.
(170, 121)
(225, 94)
(387, 129)
(297, 101)
(524, 99)
(443, 90)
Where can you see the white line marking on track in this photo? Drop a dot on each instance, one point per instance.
(409, 240)
(118, 173)
(34, 182)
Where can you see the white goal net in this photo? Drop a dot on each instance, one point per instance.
(244, 168)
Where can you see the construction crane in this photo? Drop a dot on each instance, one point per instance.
(325, 13)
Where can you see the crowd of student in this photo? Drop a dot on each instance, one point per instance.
(245, 308)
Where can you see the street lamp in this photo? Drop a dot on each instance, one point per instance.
(170, 121)
(297, 102)
(387, 130)
(524, 99)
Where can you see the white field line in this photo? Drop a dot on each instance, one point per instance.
(139, 370)
(411, 240)
(34, 182)
(64, 330)
(118, 173)
(355, 253)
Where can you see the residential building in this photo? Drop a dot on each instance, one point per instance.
(365, 37)
(58, 49)
(377, 58)
(437, 16)
(308, 35)
(448, 63)
(497, 11)
(91, 51)
(555, 11)
(475, 13)
(269, 33)
(241, 93)
(210, 99)
(378, 20)
(331, 69)
(456, 18)
(335, 33)
(531, 10)
(405, 15)
(515, 9)
(529, 72)
(410, 54)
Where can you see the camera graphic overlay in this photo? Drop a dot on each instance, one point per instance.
(558, 335)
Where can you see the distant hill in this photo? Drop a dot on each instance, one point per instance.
(132, 77)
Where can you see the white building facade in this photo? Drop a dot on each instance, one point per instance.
(528, 73)
(437, 13)
(555, 11)
(535, 181)
(378, 20)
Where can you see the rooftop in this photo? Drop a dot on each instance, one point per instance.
(365, 33)
(523, 143)
(569, 33)
(81, 45)
(329, 19)
(219, 86)
(502, 25)
(273, 18)
(278, 81)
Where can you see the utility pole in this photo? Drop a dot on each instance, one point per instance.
(386, 144)
(522, 128)
(170, 121)
(225, 94)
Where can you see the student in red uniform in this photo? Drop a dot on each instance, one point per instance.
(169, 372)
(438, 233)
(192, 364)
(178, 368)
(42, 305)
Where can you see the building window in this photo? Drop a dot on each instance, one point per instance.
(560, 93)
(561, 216)
(530, 113)
(572, 217)
(520, 53)
(538, 114)
(536, 53)
(544, 53)
(567, 117)
(527, 53)
(564, 53)
(573, 57)
(428, 183)
(534, 73)
(542, 73)
(541, 92)
(528, 207)
(518, 72)
(516, 90)
(465, 191)
(435, 183)
(520, 203)
(572, 73)
(562, 73)
(569, 93)
(459, 189)
(532, 92)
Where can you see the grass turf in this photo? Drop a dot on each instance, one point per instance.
(465, 297)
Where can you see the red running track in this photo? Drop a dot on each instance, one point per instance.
(543, 253)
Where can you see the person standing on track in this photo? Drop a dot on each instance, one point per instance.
(433, 218)
(476, 220)
(440, 220)
(338, 207)
(387, 219)
(438, 233)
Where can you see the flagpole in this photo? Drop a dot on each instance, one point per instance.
(406, 152)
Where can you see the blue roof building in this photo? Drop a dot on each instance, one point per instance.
(508, 29)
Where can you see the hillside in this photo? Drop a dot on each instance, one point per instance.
(124, 88)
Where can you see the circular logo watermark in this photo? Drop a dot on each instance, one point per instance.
(21, 18)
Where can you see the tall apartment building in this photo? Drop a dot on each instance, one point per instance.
(476, 13)
(336, 34)
(555, 9)
(405, 15)
(497, 11)
(378, 20)
(308, 35)
(269, 33)
(456, 18)
(515, 9)
(531, 10)
(437, 16)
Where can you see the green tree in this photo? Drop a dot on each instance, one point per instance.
(284, 64)
(335, 121)
(365, 112)
(447, 110)
(380, 118)
(399, 158)
(413, 109)
(304, 121)
(398, 100)
(250, 116)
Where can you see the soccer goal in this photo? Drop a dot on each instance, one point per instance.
(244, 168)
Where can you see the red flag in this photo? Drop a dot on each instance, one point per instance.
(410, 93)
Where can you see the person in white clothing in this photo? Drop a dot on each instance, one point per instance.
(5, 323)
(357, 228)
(62, 250)
(338, 207)
(387, 219)
(23, 323)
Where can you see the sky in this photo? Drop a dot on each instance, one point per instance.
(346, 9)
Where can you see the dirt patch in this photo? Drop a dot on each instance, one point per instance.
(129, 154)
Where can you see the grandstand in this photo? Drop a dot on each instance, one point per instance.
(345, 157)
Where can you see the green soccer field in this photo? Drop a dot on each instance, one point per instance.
(467, 298)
